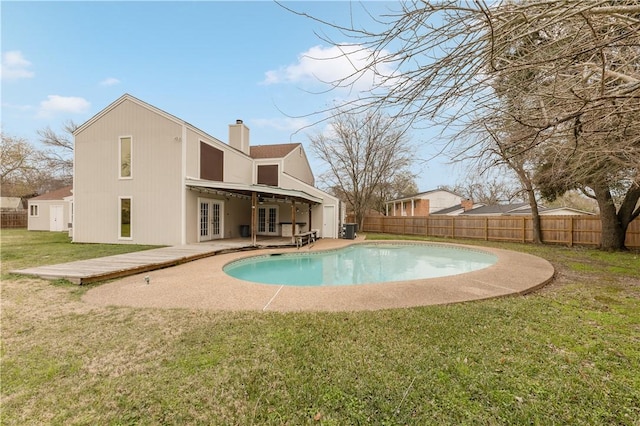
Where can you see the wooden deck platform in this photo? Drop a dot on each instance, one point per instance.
(110, 267)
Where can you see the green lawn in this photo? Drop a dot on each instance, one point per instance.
(567, 354)
(23, 249)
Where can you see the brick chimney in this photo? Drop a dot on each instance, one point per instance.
(466, 204)
(239, 136)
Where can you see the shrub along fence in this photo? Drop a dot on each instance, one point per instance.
(569, 230)
(14, 219)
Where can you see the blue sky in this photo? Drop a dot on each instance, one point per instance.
(208, 63)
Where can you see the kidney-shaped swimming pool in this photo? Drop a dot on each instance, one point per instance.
(360, 264)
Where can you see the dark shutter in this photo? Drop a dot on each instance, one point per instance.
(211, 163)
(268, 175)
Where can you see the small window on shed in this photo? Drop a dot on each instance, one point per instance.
(33, 210)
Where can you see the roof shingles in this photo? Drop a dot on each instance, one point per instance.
(58, 194)
(272, 151)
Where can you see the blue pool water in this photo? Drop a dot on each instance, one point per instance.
(360, 264)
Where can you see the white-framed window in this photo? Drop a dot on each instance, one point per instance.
(125, 157)
(124, 218)
(33, 210)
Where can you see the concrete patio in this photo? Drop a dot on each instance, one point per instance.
(202, 284)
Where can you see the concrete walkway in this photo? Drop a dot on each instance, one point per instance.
(109, 267)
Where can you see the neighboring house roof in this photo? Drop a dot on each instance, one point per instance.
(454, 210)
(58, 194)
(560, 211)
(272, 151)
(520, 209)
(498, 209)
(11, 203)
(424, 194)
(448, 210)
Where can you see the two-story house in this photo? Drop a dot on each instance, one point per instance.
(143, 176)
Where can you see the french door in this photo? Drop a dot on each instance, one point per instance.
(210, 219)
(267, 220)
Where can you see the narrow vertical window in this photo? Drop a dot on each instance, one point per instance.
(34, 210)
(125, 217)
(125, 157)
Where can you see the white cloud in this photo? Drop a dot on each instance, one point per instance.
(110, 81)
(65, 104)
(16, 107)
(15, 66)
(347, 63)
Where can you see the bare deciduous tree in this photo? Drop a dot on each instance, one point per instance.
(21, 167)
(59, 155)
(490, 188)
(363, 152)
(564, 73)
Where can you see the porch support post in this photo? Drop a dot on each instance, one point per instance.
(254, 202)
(293, 221)
(309, 221)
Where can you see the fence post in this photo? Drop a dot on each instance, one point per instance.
(524, 229)
(453, 226)
(571, 231)
(486, 229)
(426, 227)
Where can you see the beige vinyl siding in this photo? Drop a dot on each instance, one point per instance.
(317, 210)
(237, 166)
(156, 184)
(297, 165)
(268, 162)
(236, 211)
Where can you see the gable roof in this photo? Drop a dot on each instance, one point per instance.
(422, 195)
(551, 210)
(58, 194)
(121, 99)
(171, 117)
(272, 151)
(448, 210)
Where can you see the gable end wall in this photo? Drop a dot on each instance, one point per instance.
(155, 187)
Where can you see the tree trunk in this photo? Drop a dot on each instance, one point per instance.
(533, 203)
(536, 228)
(628, 210)
(613, 231)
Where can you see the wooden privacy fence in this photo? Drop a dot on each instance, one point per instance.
(569, 230)
(14, 219)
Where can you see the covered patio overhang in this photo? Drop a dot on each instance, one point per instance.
(256, 193)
